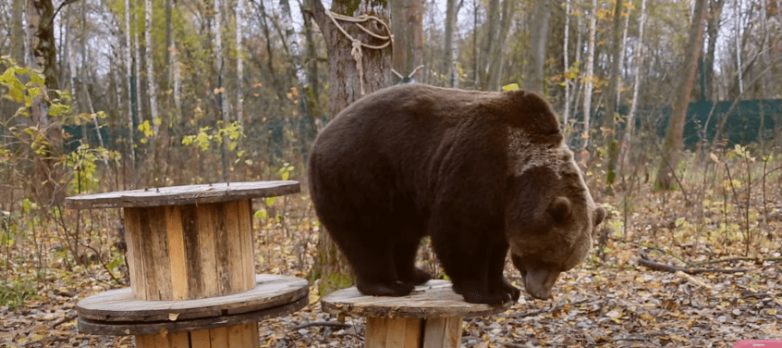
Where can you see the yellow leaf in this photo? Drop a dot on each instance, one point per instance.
(510, 87)
(173, 316)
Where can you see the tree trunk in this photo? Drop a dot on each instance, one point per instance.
(17, 31)
(566, 65)
(491, 26)
(611, 100)
(673, 140)
(347, 84)
(407, 26)
(132, 103)
(239, 63)
(137, 68)
(43, 56)
(149, 58)
(715, 13)
(222, 99)
(495, 67)
(590, 66)
(539, 26)
(639, 48)
(451, 14)
(312, 65)
(737, 35)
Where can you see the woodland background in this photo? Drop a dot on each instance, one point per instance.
(673, 107)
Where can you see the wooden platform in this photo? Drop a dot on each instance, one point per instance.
(431, 317)
(120, 305)
(177, 195)
(434, 299)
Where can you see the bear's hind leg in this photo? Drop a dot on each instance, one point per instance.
(404, 260)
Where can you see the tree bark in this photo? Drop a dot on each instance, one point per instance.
(611, 100)
(132, 104)
(407, 26)
(673, 140)
(715, 13)
(497, 58)
(566, 66)
(239, 17)
(149, 57)
(312, 65)
(539, 27)
(448, 67)
(590, 66)
(43, 56)
(491, 26)
(17, 32)
(628, 136)
(345, 81)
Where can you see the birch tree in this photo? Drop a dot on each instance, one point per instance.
(590, 69)
(450, 54)
(639, 58)
(132, 107)
(42, 55)
(222, 104)
(737, 36)
(350, 77)
(149, 58)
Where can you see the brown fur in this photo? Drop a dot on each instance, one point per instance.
(479, 172)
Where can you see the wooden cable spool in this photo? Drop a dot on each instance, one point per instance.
(430, 317)
(192, 270)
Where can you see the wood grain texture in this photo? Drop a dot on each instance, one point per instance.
(393, 333)
(207, 262)
(442, 332)
(199, 339)
(431, 300)
(151, 328)
(120, 305)
(179, 340)
(177, 260)
(189, 194)
(218, 337)
(135, 255)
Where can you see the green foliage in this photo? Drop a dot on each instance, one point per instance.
(13, 292)
(206, 136)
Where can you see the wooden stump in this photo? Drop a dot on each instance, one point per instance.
(431, 317)
(192, 271)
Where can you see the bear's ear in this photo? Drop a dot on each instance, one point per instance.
(559, 208)
(600, 214)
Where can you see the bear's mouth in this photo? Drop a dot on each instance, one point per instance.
(538, 279)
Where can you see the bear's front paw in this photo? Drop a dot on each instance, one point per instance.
(514, 292)
(395, 289)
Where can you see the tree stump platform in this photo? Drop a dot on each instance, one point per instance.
(430, 317)
(192, 270)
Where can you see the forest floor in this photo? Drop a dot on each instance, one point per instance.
(612, 300)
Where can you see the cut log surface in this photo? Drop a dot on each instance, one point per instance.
(120, 305)
(189, 194)
(202, 325)
(434, 299)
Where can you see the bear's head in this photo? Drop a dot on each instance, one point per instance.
(550, 215)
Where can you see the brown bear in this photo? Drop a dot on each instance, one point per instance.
(479, 172)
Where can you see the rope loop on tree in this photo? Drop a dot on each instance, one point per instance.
(358, 46)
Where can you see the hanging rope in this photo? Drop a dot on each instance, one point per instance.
(357, 49)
